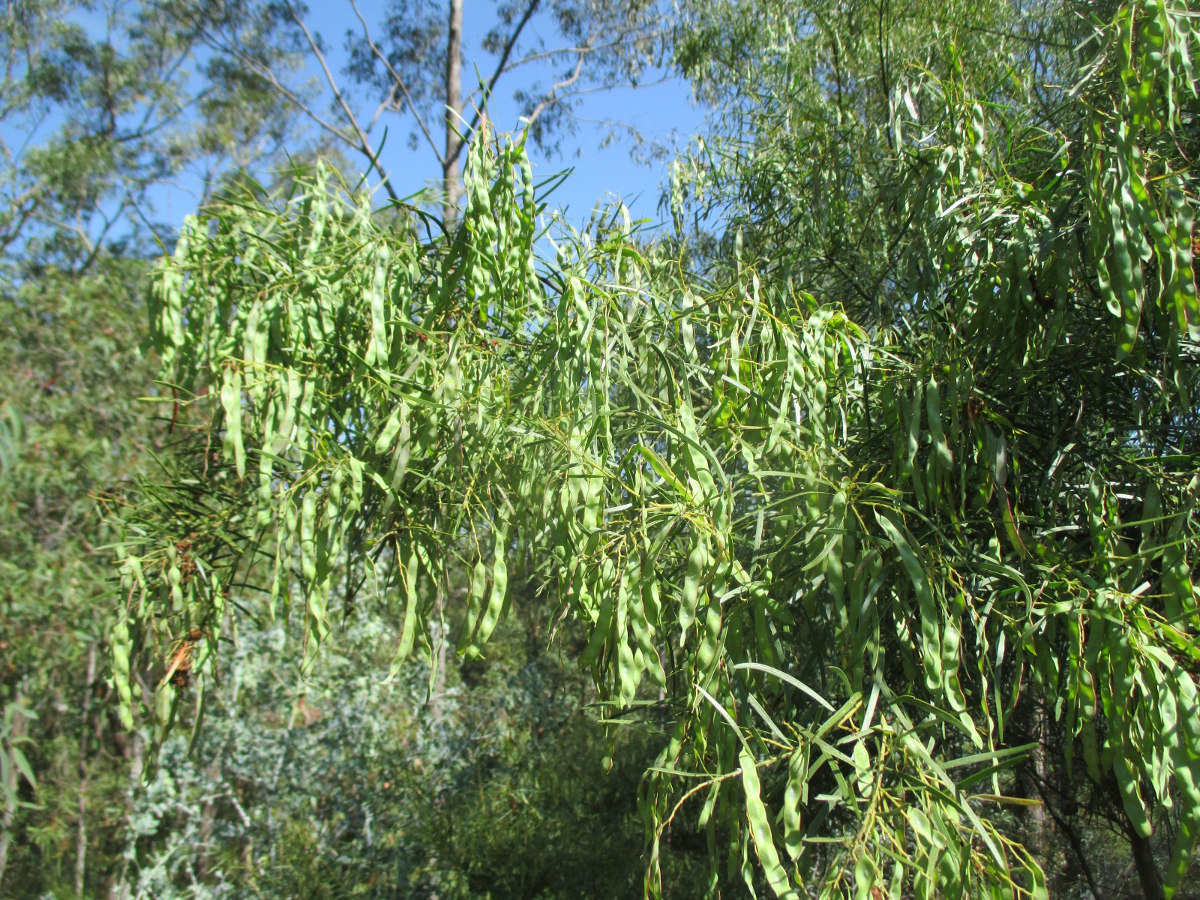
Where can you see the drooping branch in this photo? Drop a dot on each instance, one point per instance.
(354, 138)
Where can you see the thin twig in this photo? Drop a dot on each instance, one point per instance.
(551, 96)
(716, 779)
(364, 144)
(567, 51)
(397, 82)
(288, 94)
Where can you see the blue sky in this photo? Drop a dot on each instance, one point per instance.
(660, 109)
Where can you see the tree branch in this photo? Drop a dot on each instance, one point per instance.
(397, 82)
(364, 144)
(551, 96)
(288, 94)
(81, 824)
(500, 67)
(357, 141)
(1073, 839)
(566, 51)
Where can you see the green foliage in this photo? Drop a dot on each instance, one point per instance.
(912, 471)
(102, 107)
(68, 444)
(347, 785)
(99, 107)
(108, 105)
(986, 246)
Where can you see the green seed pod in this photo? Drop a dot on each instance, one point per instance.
(499, 593)
(231, 401)
(760, 828)
(335, 487)
(697, 562)
(122, 647)
(1129, 787)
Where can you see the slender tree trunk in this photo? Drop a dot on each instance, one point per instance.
(208, 819)
(81, 827)
(135, 755)
(10, 807)
(439, 688)
(1038, 819)
(1031, 780)
(437, 685)
(451, 180)
(1147, 869)
(1076, 866)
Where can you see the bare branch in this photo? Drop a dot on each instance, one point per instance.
(95, 246)
(551, 96)
(20, 210)
(292, 97)
(606, 122)
(397, 82)
(389, 102)
(364, 144)
(590, 47)
(600, 88)
(501, 65)
(265, 71)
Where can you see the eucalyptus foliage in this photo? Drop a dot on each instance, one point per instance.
(346, 784)
(101, 105)
(839, 551)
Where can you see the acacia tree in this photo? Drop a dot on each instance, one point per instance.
(837, 562)
(110, 112)
(913, 239)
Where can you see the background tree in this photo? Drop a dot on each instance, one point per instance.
(413, 62)
(103, 105)
(99, 107)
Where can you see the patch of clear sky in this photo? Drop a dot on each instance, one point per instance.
(599, 153)
(660, 109)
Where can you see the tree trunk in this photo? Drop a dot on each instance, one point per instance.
(1038, 820)
(208, 820)
(10, 807)
(81, 828)
(120, 888)
(1147, 868)
(451, 180)
(438, 685)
